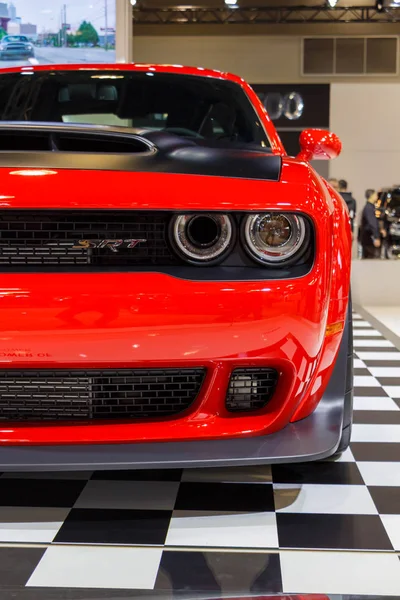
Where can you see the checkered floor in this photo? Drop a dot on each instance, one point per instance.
(328, 527)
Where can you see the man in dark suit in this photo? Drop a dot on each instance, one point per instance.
(369, 227)
(350, 201)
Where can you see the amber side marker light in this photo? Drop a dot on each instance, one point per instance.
(334, 328)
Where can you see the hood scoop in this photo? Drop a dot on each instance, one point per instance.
(93, 147)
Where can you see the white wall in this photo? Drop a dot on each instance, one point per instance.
(366, 117)
(258, 58)
(375, 282)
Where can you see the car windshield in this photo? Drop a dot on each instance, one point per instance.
(202, 108)
(14, 38)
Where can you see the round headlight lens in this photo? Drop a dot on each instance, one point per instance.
(202, 238)
(274, 237)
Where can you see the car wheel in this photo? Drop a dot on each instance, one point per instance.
(348, 398)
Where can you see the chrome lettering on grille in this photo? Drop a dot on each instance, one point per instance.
(113, 245)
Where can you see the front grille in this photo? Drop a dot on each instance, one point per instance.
(63, 395)
(250, 389)
(43, 238)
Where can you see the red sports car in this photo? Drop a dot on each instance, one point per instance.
(174, 287)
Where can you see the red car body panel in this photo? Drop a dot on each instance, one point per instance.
(154, 319)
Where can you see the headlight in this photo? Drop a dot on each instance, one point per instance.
(202, 238)
(274, 237)
(29, 46)
(2, 46)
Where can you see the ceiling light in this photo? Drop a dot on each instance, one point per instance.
(332, 3)
(231, 2)
(133, 2)
(379, 5)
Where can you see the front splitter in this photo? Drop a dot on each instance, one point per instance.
(315, 437)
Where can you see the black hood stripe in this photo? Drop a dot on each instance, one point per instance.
(160, 152)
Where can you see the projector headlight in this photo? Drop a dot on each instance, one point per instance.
(274, 238)
(202, 238)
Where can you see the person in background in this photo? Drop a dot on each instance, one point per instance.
(370, 236)
(334, 183)
(350, 201)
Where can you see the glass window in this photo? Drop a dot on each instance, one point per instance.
(201, 108)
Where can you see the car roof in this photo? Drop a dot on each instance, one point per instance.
(138, 67)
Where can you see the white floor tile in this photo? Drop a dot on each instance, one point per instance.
(385, 371)
(324, 499)
(241, 530)
(29, 533)
(373, 343)
(366, 333)
(366, 355)
(97, 567)
(149, 495)
(374, 403)
(392, 526)
(346, 456)
(24, 524)
(360, 323)
(375, 433)
(366, 381)
(388, 315)
(340, 573)
(380, 473)
(358, 363)
(392, 390)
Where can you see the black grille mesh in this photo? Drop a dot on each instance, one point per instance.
(63, 395)
(47, 238)
(250, 389)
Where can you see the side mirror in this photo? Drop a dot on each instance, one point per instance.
(318, 144)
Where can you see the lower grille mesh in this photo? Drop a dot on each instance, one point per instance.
(251, 389)
(63, 395)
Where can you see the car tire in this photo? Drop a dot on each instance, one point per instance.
(348, 398)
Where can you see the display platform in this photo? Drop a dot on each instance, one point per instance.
(331, 527)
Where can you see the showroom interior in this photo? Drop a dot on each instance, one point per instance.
(202, 508)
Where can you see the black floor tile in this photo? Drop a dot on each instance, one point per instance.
(114, 526)
(370, 391)
(318, 472)
(250, 497)
(362, 371)
(140, 475)
(220, 573)
(40, 492)
(387, 499)
(340, 532)
(17, 565)
(377, 417)
(368, 451)
(36, 593)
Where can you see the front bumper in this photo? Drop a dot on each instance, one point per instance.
(315, 437)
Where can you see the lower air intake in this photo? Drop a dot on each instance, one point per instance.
(250, 389)
(63, 395)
